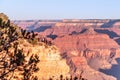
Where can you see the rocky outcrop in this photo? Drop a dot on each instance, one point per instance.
(51, 64)
(3, 17)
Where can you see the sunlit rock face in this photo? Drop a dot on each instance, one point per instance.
(51, 63)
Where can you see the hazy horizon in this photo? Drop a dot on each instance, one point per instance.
(63, 9)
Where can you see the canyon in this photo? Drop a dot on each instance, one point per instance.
(87, 48)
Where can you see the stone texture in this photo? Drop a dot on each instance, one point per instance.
(88, 39)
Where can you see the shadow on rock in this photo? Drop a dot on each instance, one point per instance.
(114, 71)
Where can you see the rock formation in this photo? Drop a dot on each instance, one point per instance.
(89, 39)
(90, 47)
(88, 51)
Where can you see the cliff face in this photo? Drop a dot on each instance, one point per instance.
(90, 63)
(88, 39)
(88, 52)
(51, 63)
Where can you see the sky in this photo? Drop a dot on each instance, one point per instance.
(60, 9)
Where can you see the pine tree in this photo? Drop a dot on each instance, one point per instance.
(0, 21)
(8, 23)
